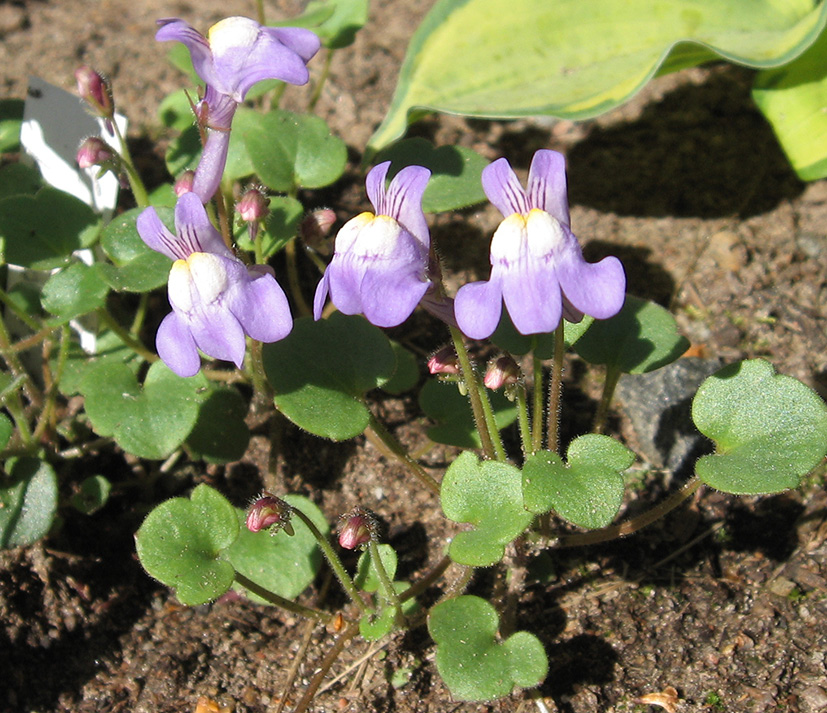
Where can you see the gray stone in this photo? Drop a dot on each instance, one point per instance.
(659, 405)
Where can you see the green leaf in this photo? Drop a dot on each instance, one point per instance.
(444, 403)
(180, 544)
(406, 374)
(488, 495)
(136, 268)
(220, 434)
(92, 494)
(6, 430)
(642, 337)
(491, 58)
(792, 99)
(322, 370)
(19, 179)
(11, 119)
(367, 579)
(282, 225)
(292, 151)
(507, 338)
(375, 625)
(456, 172)
(42, 231)
(175, 111)
(473, 664)
(184, 151)
(344, 19)
(149, 421)
(28, 502)
(75, 290)
(284, 564)
(109, 349)
(587, 490)
(769, 430)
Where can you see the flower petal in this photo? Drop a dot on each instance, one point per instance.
(218, 333)
(322, 290)
(202, 61)
(195, 232)
(532, 296)
(503, 189)
(375, 185)
(597, 289)
(390, 292)
(478, 307)
(176, 347)
(155, 234)
(261, 307)
(547, 185)
(403, 202)
(210, 168)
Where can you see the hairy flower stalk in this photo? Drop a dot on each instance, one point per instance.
(537, 266)
(381, 260)
(237, 53)
(216, 300)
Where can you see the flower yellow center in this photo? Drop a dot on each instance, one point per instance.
(198, 280)
(533, 234)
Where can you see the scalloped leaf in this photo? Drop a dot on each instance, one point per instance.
(322, 370)
(180, 543)
(769, 430)
(642, 337)
(473, 664)
(366, 577)
(28, 502)
(587, 490)
(281, 563)
(487, 494)
(491, 58)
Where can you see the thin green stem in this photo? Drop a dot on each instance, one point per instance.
(260, 12)
(278, 601)
(488, 413)
(31, 341)
(636, 523)
(140, 315)
(385, 582)
(46, 416)
(16, 366)
(609, 386)
(377, 434)
(469, 377)
(256, 370)
(125, 336)
(317, 90)
(10, 397)
(555, 390)
(19, 312)
(523, 419)
(135, 182)
(537, 405)
(293, 279)
(334, 562)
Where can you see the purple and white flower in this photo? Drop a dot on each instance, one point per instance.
(537, 266)
(216, 299)
(237, 53)
(380, 266)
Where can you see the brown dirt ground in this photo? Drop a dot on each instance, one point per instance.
(724, 600)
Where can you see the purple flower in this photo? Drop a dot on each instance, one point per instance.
(537, 266)
(380, 265)
(215, 298)
(237, 53)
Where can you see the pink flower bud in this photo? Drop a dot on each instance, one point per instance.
(444, 361)
(95, 151)
(501, 372)
(316, 227)
(253, 205)
(268, 511)
(357, 529)
(184, 183)
(95, 91)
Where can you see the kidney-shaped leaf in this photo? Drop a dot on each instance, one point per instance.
(487, 494)
(181, 541)
(473, 664)
(510, 58)
(321, 371)
(587, 490)
(770, 430)
(28, 502)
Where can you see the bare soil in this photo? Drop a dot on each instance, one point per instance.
(724, 601)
